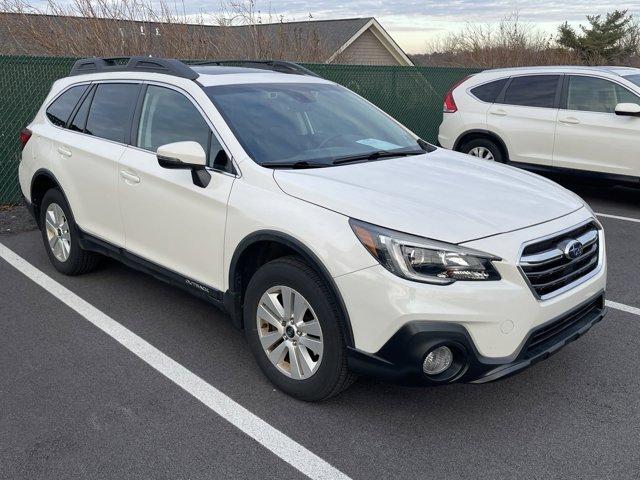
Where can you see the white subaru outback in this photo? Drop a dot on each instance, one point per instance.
(342, 243)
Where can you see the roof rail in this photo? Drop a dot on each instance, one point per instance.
(280, 66)
(133, 64)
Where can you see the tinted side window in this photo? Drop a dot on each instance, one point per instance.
(591, 94)
(489, 91)
(111, 110)
(80, 118)
(626, 96)
(532, 91)
(59, 111)
(167, 117)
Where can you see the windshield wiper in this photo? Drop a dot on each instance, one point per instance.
(376, 155)
(299, 164)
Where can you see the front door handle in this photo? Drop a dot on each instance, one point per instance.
(569, 120)
(499, 112)
(129, 177)
(64, 151)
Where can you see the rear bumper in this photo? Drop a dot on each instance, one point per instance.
(400, 359)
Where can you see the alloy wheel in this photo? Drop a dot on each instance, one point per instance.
(58, 234)
(289, 332)
(481, 152)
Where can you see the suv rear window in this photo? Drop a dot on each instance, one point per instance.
(61, 108)
(532, 91)
(111, 111)
(489, 91)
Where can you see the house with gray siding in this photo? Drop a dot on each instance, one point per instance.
(361, 41)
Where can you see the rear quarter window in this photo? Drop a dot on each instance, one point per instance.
(61, 108)
(489, 91)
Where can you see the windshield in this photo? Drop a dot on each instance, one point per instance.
(306, 123)
(633, 79)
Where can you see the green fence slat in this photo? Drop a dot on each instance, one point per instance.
(411, 95)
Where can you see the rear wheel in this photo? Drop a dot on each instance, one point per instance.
(294, 331)
(483, 148)
(60, 236)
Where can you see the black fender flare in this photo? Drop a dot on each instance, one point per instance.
(232, 298)
(47, 173)
(487, 133)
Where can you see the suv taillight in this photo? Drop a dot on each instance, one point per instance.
(449, 103)
(25, 135)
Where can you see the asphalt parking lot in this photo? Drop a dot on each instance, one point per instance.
(78, 401)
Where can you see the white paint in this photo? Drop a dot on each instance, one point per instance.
(618, 217)
(272, 439)
(623, 307)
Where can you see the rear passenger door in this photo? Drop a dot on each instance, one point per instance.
(590, 136)
(524, 116)
(168, 220)
(87, 151)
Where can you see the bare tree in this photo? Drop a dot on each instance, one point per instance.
(511, 43)
(142, 27)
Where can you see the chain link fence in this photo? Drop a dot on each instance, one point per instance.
(412, 95)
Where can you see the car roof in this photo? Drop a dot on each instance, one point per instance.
(614, 70)
(207, 76)
(223, 75)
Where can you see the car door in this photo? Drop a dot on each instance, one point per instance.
(589, 135)
(87, 153)
(168, 220)
(524, 116)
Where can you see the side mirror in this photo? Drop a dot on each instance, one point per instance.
(628, 109)
(186, 156)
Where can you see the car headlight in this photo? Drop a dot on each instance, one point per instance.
(424, 260)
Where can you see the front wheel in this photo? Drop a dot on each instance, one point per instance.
(294, 331)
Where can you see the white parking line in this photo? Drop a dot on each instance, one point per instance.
(618, 217)
(623, 307)
(272, 439)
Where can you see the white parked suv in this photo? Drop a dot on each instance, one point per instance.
(575, 120)
(340, 242)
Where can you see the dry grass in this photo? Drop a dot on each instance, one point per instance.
(143, 27)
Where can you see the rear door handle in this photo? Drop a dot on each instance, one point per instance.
(129, 177)
(64, 151)
(499, 112)
(569, 120)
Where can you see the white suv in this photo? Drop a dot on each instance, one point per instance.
(575, 120)
(341, 242)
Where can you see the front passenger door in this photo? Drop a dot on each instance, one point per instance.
(167, 219)
(590, 136)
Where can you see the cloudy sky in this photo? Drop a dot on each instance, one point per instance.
(413, 23)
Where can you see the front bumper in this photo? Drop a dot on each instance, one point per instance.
(400, 359)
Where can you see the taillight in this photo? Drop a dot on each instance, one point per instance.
(25, 135)
(449, 103)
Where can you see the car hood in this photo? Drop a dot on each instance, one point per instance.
(440, 195)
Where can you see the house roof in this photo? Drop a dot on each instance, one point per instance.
(332, 35)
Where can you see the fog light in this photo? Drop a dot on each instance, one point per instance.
(437, 361)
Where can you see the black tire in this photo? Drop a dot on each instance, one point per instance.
(332, 375)
(490, 145)
(79, 261)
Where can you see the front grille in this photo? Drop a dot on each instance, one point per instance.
(551, 333)
(551, 264)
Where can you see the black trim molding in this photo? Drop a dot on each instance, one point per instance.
(95, 244)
